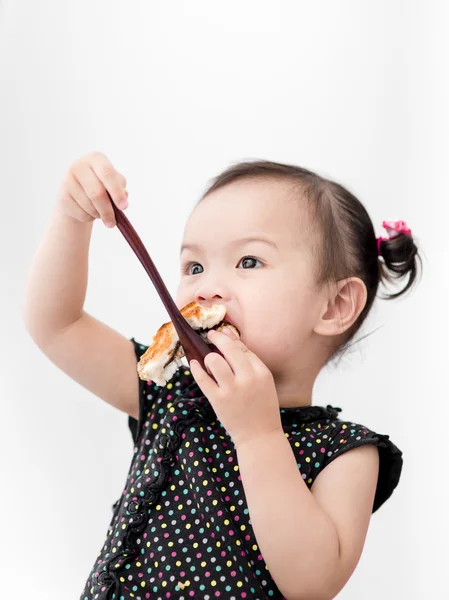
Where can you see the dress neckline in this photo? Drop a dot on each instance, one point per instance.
(305, 414)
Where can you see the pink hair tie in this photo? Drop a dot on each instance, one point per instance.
(393, 229)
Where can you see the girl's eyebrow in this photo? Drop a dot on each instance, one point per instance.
(239, 242)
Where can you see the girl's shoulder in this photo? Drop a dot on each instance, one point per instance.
(318, 436)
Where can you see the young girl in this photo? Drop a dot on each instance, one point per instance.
(239, 487)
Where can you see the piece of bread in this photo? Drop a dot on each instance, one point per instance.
(164, 356)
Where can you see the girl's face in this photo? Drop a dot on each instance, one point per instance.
(267, 284)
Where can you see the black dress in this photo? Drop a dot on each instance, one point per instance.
(181, 527)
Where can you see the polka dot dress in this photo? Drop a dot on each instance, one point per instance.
(181, 528)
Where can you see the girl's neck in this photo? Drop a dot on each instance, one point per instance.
(294, 393)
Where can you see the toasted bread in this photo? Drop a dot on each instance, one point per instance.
(164, 356)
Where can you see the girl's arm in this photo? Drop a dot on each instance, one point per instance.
(90, 352)
(312, 540)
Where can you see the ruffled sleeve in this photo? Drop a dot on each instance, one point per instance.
(147, 391)
(345, 436)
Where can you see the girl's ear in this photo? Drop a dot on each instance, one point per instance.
(343, 307)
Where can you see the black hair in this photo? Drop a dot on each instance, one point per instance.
(347, 245)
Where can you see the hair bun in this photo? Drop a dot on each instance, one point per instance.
(400, 256)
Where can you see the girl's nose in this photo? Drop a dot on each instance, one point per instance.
(209, 297)
(212, 292)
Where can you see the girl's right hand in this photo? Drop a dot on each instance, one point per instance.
(83, 196)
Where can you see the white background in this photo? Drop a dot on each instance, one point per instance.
(173, 92)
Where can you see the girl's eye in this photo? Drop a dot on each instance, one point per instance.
(246, 260)
(189, 265)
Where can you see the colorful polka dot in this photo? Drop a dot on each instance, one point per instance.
(181, 527)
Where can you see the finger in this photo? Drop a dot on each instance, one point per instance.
(230, 334)
(96, 190)
(95, 193)
(75, 211)
(219, 368)
(238, 356)
(228, 331)
(204, 381)
(78, 196)
(111, 179)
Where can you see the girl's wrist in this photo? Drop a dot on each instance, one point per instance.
(254, 442)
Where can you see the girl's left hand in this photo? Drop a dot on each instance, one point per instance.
(244, 397)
